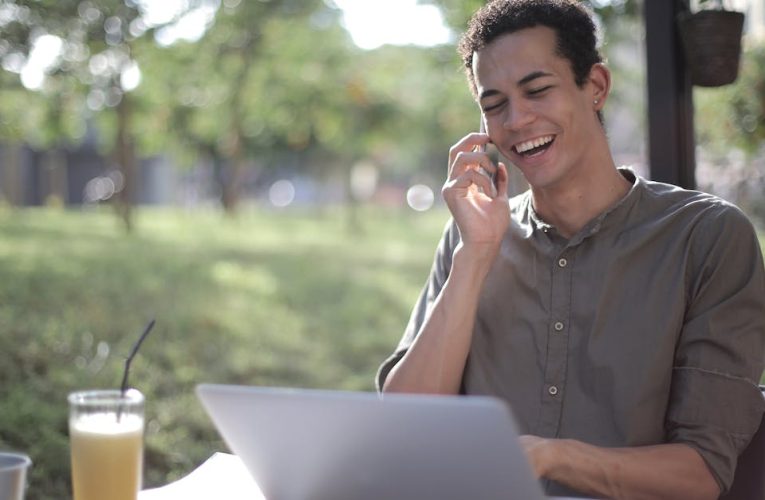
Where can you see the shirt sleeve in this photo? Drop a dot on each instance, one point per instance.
(715, 404)
(439, 272)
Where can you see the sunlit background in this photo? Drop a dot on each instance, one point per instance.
(189, 102)
(262, 177)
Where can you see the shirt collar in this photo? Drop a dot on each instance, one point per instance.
(611, 215)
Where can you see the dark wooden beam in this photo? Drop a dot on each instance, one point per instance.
(671, 142)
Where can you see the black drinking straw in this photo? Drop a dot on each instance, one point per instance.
(129, 359)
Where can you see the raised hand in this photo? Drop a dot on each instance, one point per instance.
(480, 210)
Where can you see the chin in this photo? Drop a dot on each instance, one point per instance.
(540, 178)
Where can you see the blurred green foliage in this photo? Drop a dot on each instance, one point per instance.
(730, 129)
(282, 298)
(268, 84)
(735, 114)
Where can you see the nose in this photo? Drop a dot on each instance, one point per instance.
(518, 116)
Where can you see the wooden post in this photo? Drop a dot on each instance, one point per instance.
(671, 141)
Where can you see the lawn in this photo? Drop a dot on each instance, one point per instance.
(271, 298)
(288, 298)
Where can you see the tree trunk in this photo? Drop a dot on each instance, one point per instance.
(232, 173)
(353, 221)
(55, 188)
(234, 150)
(125, 157)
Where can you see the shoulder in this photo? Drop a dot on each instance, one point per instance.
(669, 197)
(721, 243)
(693, 208)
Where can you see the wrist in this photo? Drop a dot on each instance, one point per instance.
(556, 463)
(477, 256)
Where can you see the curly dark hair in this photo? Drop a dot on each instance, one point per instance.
(574, 28)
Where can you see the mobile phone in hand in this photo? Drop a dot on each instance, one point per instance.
(488, 148)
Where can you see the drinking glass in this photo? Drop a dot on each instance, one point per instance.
(106, 438)
(13, 471)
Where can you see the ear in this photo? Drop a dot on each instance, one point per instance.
(599, 85)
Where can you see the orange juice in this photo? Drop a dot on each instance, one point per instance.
(107, 456)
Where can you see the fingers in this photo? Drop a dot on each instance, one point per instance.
(467, 144)
(472, 177)
(503, 179)
(470, 161)
(468, 166)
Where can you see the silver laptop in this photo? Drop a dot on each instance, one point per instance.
(330, 445)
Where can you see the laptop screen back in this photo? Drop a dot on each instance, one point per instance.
(331, 445)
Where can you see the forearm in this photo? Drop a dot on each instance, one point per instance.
(667, 471)
(436, 359)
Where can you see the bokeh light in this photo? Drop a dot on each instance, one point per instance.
(281, 193)
(420, 197)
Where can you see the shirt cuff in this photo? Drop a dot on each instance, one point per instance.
(716, 414)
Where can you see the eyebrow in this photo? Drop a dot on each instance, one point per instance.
(523, 81)
(533, 76)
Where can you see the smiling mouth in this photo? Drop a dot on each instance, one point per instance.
(534, 146)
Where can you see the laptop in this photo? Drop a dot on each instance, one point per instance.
(301, 444)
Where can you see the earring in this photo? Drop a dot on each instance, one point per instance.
(595, 101)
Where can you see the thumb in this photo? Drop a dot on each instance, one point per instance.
(502, 180)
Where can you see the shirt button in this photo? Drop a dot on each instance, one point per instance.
(558, 326)
(562, 262)
(552, 390)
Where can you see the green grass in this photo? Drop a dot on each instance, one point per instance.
(270, 298)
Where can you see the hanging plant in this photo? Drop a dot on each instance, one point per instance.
(711, 39)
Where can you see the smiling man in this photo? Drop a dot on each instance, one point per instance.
(622, 319)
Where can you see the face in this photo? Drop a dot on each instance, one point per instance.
(535, 113)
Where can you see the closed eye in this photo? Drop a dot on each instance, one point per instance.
(539, 90)
(492, 107)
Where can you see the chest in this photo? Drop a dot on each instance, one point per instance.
(562, 330)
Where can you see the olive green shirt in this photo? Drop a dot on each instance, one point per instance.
(646, 327)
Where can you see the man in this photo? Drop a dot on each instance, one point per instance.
(622, 319)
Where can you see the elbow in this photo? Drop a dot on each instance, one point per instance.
(390, 384)
(711, 489)
(386, 381)
(393, 385)
(712, 493)
(405, 383)
(386, 387)
(706, 487)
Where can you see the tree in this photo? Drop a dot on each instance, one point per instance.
(289, 99)
(255, 84)
(92, 63)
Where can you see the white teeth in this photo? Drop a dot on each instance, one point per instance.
(534, 143)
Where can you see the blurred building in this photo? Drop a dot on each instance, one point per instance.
(76, 175)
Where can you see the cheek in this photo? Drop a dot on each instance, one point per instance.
(498, 136)
(555, 111)
(494, 128)
(571, 119)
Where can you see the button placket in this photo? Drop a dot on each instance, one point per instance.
(557, 343)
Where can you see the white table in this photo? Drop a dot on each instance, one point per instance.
(222, 476)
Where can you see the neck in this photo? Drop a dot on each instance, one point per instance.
(570, 205)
